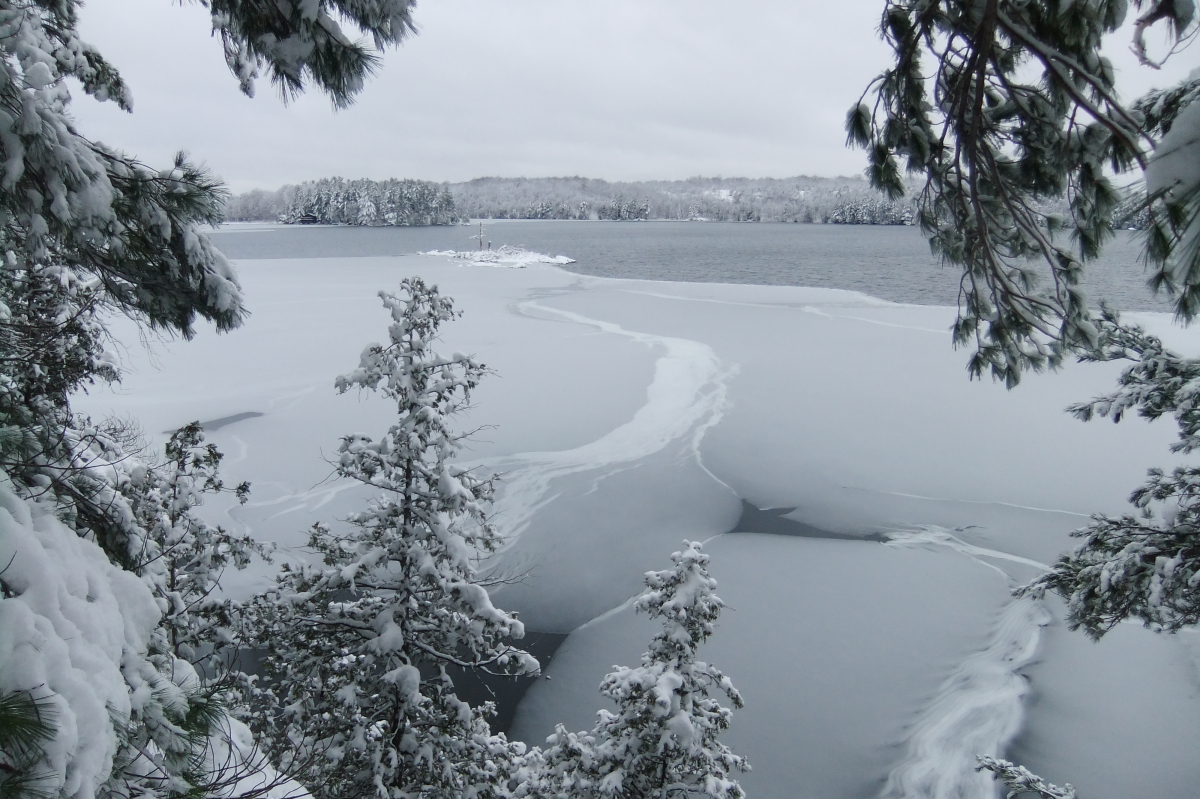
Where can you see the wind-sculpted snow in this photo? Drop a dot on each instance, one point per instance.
(978, 711)
(688, 392)
(933, 536)
(979, 708)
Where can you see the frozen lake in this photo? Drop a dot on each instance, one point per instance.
(627, 415)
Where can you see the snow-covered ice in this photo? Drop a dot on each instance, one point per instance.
(629, 415)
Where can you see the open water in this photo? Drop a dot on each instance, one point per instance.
(890, 262)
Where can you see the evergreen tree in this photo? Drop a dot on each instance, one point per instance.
(86, 231)
(1024, 107)
(1021, 781)
(368, 202)
(359, 647)
(662, 741)
(992, 147)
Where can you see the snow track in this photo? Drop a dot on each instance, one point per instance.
(979, 708)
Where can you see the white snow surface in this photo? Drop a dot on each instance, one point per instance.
(979, 706)
(73, 623)
(240, 765)
(628, 415)
(1176, 162)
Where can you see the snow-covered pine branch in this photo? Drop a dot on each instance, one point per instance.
(299, 42)
(1023, 108)
(26, 724)
(1019, 781)
(359, 646)
(662, 741)
(1144, 565)
(86, 558)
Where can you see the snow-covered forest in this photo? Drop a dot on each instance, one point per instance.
(800, 199)
(334, 201)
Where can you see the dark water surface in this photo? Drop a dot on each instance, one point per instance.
(890, 262)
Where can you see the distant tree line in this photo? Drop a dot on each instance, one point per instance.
(338, 201)
(411, 202)
(1133, 213)
(799, 199)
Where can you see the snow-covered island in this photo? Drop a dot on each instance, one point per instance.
(878, 649)
(504, 256)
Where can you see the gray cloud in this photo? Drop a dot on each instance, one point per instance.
(622, 90)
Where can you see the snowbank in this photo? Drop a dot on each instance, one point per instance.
(505, 256)
(70, 623)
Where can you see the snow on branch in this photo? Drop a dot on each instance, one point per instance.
(662, 741)
(1021, 108)
(359, 647)
(1019, 781)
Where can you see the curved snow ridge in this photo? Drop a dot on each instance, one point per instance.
(979, 708)
(932, 535)
(688, 394)
(985, 502)
(978, 711)
(688, 385)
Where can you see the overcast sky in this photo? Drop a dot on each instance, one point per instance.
(619, 89)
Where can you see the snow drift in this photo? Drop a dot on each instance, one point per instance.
(75, 627)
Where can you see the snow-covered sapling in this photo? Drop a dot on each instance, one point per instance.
(662, 741)
(360, 645)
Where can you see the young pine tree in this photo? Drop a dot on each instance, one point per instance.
(359, 647)
(662, 741)
(174, 740)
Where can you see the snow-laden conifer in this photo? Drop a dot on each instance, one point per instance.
(369, 202)
(304, 42)
(1022, 108)
(88, 231)
(662, 740)
(360, 646)
(999, 106)
(25, 725)
(1146, 564)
